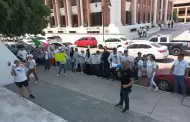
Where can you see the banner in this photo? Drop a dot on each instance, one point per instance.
(60, 57)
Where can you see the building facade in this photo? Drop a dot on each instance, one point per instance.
(106, 16)
(182, 9)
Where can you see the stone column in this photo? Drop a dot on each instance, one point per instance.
(186, 9)
(49, 24)
(161, 11)
(115, 13)
(172, 9)
(166, 11)
(146, 11)
(54, 11)
(58, 13)
(81, 13)
(78, 13)
(150, 11)
(155, 12)
(88, 12)
(135, 12)
(68, 12)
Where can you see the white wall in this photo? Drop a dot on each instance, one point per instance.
(5, 72)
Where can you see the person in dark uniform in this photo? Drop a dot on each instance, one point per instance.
(127, 79)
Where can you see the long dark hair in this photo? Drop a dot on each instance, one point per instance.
(87, 53)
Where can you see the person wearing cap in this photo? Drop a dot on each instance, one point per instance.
(114, 58)
(32, 68)
(82, 60)
(127, 79)
(20, 78)
(180, 70)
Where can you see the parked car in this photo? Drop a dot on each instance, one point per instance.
(115, 43)
(66, 44)
(165, 82)
(86, 42)
(174, 46)
(147, 48)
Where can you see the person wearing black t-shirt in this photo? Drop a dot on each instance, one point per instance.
(127, 79)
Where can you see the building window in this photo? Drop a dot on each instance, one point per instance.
(60, 31)
(95, 1)
(93, 31)
(75, 20)
(96, 18)
(61, 4)
(50, 31)
(51, 5)
(52, 21)
(72, 31)
(74, 2)
(63, 23)
(128, 17)
(139, 18)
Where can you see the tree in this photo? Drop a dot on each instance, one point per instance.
(175, 16)
(22, 16)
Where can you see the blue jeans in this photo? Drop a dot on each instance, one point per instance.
(180, 80)
(62, 66)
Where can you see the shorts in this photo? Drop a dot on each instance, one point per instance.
(21, 84)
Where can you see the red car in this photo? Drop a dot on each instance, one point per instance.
(86, 42)
(166, 82)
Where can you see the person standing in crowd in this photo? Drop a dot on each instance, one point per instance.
(97, 58)
(136, 67)
(180, 70)
(20, 78)
(114, 58)
(105, 63)
(151, 71)
(140, 32)
(71, 56)
(88, 62)
(46, 61)
(32, 68)
(62, 64)
(38, 55)
(69, 61)
(128, 58)
(22, 55)
(76, 60)
(126, 77)
(172, 23)
(144, 32)
(142, 70)
(82, 61)
(52, 59)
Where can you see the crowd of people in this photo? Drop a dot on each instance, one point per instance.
(113, 65)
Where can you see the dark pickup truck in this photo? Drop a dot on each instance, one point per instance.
(174, 46)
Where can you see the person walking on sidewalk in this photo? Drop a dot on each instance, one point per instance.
(32, 68)
(20, 78)
(151, 71)
(180, 71)
(127, 79)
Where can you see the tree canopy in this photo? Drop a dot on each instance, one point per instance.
(18, 17)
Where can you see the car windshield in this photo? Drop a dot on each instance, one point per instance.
(67, 43)
(123, 39)
(40, 38)
(156, 45)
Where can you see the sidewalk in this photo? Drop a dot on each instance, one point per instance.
(160, 106)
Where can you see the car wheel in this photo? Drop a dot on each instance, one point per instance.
(88, 46)
(164, 85)
(176, 51)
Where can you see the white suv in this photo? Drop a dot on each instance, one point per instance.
(115, 43)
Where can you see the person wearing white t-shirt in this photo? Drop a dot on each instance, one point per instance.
(32, 68)
(151, 71)
(22, 54)
(180, 70)
(20, 78)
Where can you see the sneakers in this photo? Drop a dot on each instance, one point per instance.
(149, 87)
(31, 96)
(124, 110)
(119, 105)
(36, 81)
(156, 89)
(57, 75)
